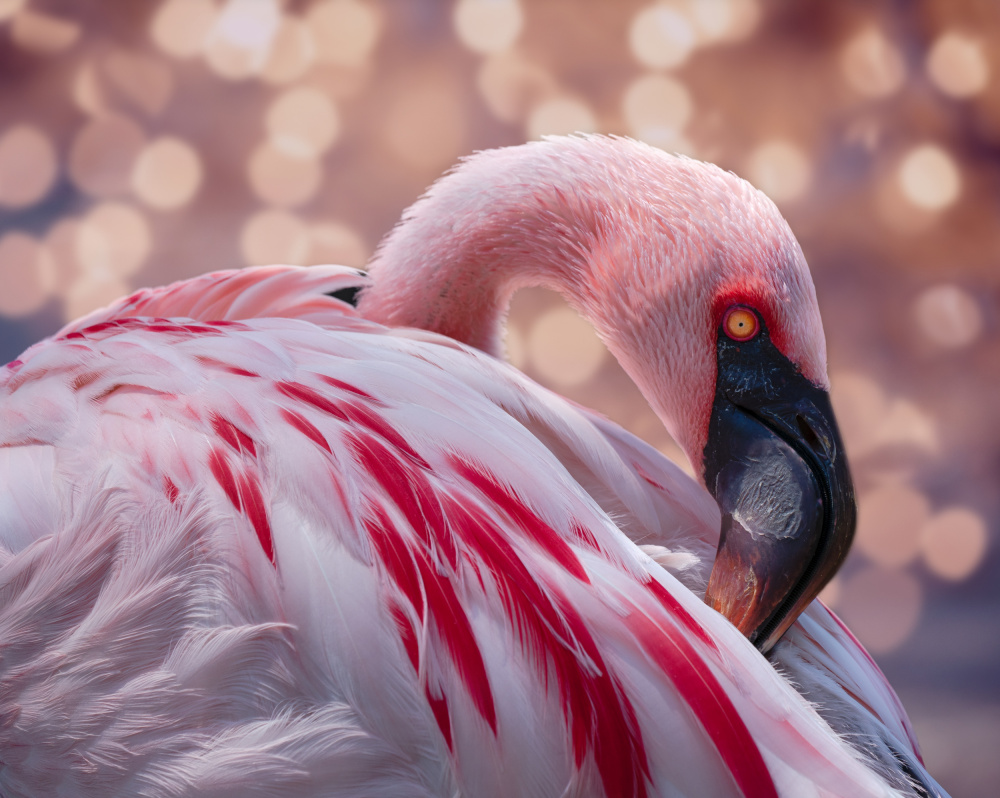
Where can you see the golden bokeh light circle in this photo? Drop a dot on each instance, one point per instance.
(337, 243)
(882, 606)
(8, 8)
(781, 169)
(167, 173)
(28, 166)
(113, 240)
(512, 84)
(958, 65)
(303, 122)
(292, 53)
(949, 316)
(929, 177)
(274, 236)
(889, 522)
(564, 348)
(345, 31)
(561, 116)
(657, 108)
(180, 28)
(488, 26)
(954, 543)
(26, 275)
(661, 37)
(871, 64)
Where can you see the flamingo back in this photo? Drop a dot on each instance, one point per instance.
(290, 552)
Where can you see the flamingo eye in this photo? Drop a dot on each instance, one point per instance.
(740, 323)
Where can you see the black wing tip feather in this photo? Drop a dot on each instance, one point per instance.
(350, 295)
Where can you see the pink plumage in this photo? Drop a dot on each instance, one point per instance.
(256, 543)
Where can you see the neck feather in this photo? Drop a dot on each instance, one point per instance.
(503, 220)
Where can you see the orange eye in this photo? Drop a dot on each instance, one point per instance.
(740, 323)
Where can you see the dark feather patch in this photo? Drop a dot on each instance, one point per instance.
(348, 295)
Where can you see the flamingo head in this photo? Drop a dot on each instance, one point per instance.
(708, 303)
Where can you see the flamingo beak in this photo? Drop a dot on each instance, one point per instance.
(776, 466)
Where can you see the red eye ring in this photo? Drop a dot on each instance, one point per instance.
(740, 323)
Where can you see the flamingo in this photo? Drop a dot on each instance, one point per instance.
(258, 541)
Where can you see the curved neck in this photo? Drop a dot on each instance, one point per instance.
(496, 224)
(640, 243)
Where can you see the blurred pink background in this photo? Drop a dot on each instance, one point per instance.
(144, 142)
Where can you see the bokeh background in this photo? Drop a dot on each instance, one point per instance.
(144, 142)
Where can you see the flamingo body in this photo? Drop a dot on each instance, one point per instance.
(255, 544)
